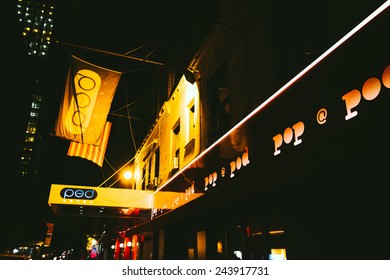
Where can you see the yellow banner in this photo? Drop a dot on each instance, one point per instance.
(86, 102)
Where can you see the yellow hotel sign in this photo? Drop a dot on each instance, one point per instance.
(93, 196)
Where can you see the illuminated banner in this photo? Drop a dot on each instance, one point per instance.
(324, 127)
(86, 102)
(94, 153)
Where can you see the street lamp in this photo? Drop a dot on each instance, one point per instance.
(127, 175)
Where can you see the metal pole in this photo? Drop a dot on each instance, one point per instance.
(114, 54)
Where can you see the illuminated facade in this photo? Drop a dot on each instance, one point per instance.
(157, 159)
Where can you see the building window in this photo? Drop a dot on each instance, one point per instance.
(219, 103)
(156, 167)
(176, 145)
(191, 121)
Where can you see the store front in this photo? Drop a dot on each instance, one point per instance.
(301, 177)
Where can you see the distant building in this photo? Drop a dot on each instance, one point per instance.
(36, 20)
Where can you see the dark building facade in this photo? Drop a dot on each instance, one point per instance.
(27, 49)
(293, 104)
